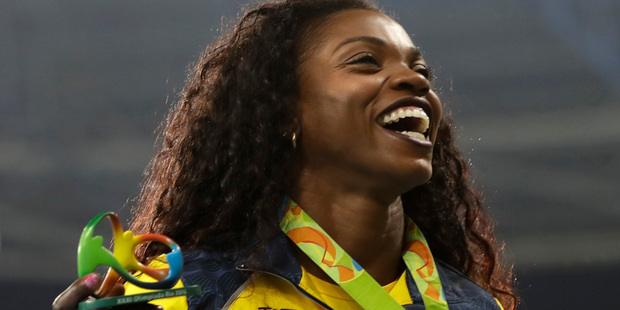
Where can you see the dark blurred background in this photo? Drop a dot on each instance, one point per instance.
(534, 87)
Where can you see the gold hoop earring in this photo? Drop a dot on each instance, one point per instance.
(294, 140)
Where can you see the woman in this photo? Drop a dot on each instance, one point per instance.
(321, 109)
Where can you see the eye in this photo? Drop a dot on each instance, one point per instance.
(425, 70)
(364, 59)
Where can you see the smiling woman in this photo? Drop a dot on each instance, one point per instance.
(308, 165)
(365, 69)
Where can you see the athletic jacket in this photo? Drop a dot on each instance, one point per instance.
(224, 279)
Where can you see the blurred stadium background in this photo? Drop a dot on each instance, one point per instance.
(534, 87)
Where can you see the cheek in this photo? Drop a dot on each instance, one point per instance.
(331, 122)
(335, 104)
(324, 117)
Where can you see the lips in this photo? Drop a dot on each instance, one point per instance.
(408, 117)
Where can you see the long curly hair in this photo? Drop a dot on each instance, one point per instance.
(225, 158)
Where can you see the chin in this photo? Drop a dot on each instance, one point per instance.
(414, 178)
(420, 179)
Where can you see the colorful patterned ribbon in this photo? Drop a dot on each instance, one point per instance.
(345, 271)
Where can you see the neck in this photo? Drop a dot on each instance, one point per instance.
(369, 230)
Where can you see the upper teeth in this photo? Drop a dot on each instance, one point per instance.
(405, 112)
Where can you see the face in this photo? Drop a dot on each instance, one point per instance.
(368, 116)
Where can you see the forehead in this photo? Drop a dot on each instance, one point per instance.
(350, 24)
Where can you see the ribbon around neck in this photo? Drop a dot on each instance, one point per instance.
(349, 275)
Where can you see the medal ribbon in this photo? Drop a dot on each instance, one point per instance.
(347, 273)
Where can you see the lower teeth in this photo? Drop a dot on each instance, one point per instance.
(413, 134)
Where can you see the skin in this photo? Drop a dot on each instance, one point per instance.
(352, 171)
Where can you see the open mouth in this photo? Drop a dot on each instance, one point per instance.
(411, 121)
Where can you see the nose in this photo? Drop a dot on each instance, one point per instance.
(409, 80)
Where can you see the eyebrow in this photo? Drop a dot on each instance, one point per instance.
(367, 39)
(415, 51)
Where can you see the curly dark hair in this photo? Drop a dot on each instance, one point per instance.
(225, 159)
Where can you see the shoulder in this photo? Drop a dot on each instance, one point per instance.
(462, 293)
(224, 275)
(216, 273)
